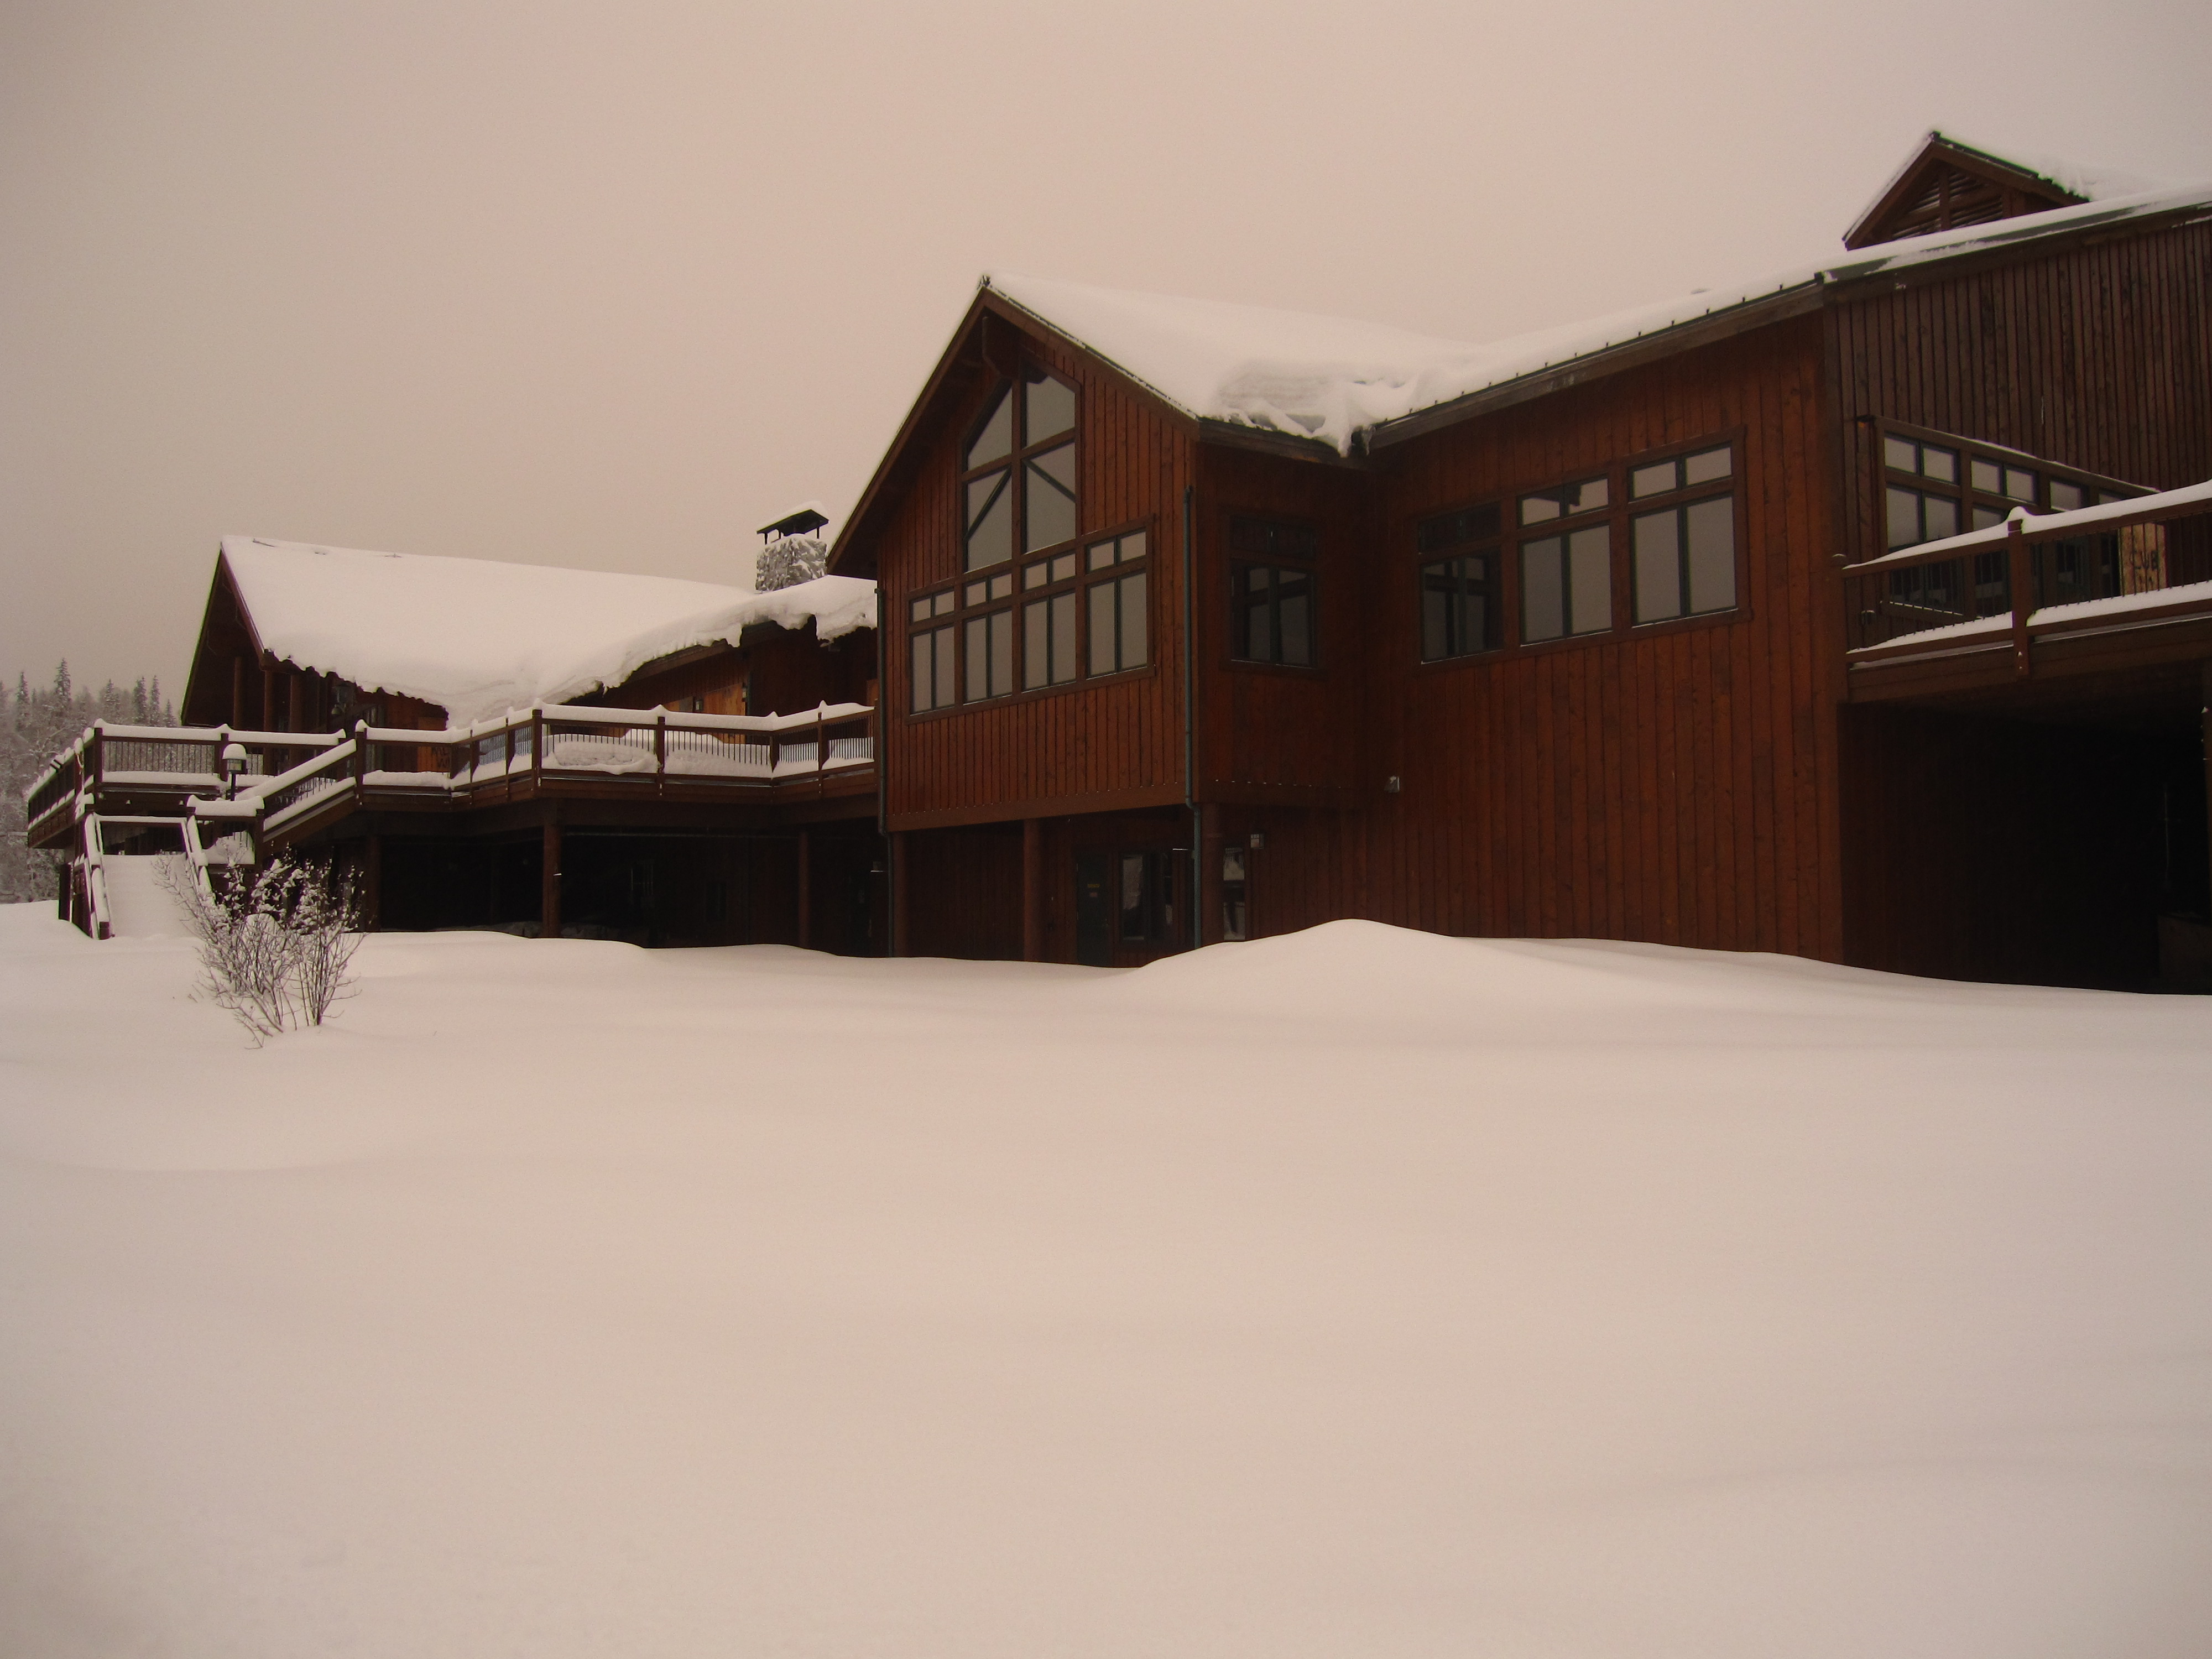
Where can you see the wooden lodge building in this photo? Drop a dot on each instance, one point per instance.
(1864, 612)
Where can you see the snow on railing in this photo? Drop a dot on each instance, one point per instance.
(2033, 574)
(182, 769)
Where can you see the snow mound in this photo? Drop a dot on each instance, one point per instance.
(1355, 1292)
(478, 637)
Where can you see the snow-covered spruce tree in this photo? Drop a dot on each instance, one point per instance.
(34, 727)
(790, 559)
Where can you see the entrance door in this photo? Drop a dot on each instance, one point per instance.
(1094, 919)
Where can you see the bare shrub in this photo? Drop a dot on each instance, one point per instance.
(276, 950)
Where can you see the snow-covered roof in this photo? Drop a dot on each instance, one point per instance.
(1334, 379)
(478, 637)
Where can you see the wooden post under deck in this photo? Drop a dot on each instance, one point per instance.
(901, 913)
(2205, 716)
(806, 891)
(549, 897)
(371, 883)
(1032, 889)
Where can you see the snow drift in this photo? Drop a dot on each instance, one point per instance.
(1355, 1292)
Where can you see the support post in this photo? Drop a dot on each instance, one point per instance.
(269, 697)
(1032, 889)
(805, 889)
(2019, 571)
(2205, 718)
(238, 691)
(549, 898)
(902, 914)
(372, 885)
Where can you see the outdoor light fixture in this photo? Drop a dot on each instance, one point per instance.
(234, 766)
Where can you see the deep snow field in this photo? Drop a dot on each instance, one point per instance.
(1356, 1293)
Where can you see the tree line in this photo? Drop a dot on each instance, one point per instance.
(37, 722)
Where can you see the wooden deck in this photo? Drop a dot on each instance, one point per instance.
(2037, 644)
(296, 786)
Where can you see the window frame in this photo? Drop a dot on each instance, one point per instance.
(1234, 561)
(1493, 547)
(1976, 571)
(1963, 489)
(1618, 515)
(1079, 583)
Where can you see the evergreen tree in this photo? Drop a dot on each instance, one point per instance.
(35, 726)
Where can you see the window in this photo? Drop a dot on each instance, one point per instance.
(1458, 594)
(1567, 578)
(1049, 642)
(1684, 554)
(1027, 429)
(929, 652)
(990, 651)
(1018, 493)
(1271, 606)
(1119, 604)
(1566, 584)
(1935, 486)
(1567, 502)
(1640, 543)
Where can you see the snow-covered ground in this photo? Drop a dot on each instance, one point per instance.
(1360, 1292)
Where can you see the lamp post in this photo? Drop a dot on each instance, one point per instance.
(234, 767)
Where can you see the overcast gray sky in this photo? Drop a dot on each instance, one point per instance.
(609, 285)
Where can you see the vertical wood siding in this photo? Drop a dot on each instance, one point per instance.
(1090, 740)
(2098, 356)
(1675, 784)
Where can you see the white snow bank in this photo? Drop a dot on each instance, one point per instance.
(1334, 379)
(478, 637)
(1357, 1292)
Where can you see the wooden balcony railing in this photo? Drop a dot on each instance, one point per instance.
(292, 778)
(2130, 563)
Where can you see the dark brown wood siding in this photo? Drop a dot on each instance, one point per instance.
(2097, 355)
(1674, 784)
(1098, 745)
(1271, 733)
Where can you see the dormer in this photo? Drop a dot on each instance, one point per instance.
(1946, 184)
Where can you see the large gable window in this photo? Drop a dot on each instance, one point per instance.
(1017, 480)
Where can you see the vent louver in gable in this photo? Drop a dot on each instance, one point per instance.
(1946, 186)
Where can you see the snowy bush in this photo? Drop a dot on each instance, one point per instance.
(276, 951)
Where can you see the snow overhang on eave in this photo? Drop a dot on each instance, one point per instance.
(1722, 322)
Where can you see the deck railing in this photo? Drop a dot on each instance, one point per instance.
(2029, 574)
(290, 776)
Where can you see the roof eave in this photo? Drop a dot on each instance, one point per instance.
(1768, 308)
(988, 300)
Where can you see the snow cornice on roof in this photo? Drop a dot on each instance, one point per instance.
(1353, 385)
(476, 637)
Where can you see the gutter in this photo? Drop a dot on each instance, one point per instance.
(1190, 712)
